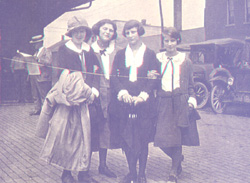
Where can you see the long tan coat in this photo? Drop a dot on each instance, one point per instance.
(65, 123)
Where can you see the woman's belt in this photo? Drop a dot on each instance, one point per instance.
(162, 93)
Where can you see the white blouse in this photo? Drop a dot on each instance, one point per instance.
(105, 57)
(177, 60)
(175, 67)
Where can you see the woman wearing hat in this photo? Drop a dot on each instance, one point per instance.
(176, 118)
(77, 55)
(103, 137)
(132, 99)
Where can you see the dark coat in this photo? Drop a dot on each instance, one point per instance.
(68, 59)
(134, 132)
(174, 118)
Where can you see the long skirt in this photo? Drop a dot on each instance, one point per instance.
(104, 127)
(168, 131)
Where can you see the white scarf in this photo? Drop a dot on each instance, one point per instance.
(72, 46)
(134, 61)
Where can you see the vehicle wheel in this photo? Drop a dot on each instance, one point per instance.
(201, 93)
(217, 95)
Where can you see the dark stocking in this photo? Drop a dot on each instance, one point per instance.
(66, 173)
(175, 153)
(132, 161)
(143, 160)
(82, 175)
(102, 157)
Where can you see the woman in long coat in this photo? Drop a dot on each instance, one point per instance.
(65, 124)
(77, 55)
(176, 123)
(103, 137)
(132, 99)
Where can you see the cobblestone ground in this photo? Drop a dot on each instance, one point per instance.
(222, 157)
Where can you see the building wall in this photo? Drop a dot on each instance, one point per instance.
(216, 20)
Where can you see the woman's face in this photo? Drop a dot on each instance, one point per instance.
(170, 43)
(78, 35)
(132, 36)
(106, 32)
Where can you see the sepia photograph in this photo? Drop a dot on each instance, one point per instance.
(128, 91)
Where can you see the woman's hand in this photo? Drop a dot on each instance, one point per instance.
(137, 100)
(152, 74)
(126, 98)
(91, 99)
(191, 106)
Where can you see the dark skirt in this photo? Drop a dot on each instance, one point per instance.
(104, 131)
(136, 124)
(176, 125)
(136, 134)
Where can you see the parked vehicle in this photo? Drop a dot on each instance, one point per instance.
(231, 79)
(207, 56)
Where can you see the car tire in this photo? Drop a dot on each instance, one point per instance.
(202, 94)
(217, 93)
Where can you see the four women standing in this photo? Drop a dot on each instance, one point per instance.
(124, 87)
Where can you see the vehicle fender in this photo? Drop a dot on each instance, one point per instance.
(219, 75)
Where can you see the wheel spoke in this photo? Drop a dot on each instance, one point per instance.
(201, 93)
(217, 95)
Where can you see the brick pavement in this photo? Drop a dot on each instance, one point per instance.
(222, 157)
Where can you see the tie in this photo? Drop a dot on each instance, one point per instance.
(170, 60)
(82, 58)
(102, 52)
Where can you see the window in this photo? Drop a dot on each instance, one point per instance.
(247, 10)
(230, 12)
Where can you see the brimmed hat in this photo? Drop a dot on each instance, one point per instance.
(36, 39)
(77, 22)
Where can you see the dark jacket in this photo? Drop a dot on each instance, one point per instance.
(68, 59)
(137, 132)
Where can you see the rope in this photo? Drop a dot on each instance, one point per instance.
(61, 68)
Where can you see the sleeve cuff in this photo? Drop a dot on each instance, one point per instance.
(144, 95)
(121, 93)
(192, 101)
(95, 92)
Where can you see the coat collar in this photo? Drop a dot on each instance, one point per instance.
(180, 57)
(71, 46)
(109, 49)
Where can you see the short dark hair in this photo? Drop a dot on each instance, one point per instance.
(133, 23)
(173, 33)
(96, 27)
